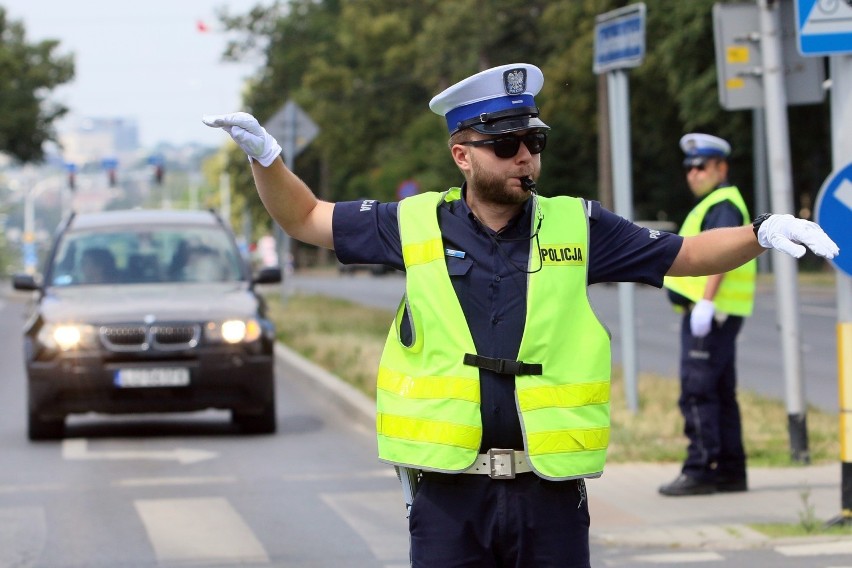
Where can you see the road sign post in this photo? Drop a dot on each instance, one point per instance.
(620, 45)
(834, 214)
(294, 130)
(824, 27)
(781, 199)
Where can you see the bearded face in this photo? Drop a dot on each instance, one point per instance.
(494, 186)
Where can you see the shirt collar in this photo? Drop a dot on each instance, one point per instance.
(518, 226)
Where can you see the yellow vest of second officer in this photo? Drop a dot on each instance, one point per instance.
(736, 294)
(428, 400)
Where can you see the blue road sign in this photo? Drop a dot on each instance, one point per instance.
(619, 38)
(407, 188)
(824, 27)
(834, 214)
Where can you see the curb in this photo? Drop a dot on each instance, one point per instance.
(362, 407)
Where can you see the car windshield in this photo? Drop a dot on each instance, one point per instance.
(145, 255)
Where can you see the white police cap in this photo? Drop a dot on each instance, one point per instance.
(494, 101)
(700, 147)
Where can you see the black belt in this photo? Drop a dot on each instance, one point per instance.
(504, 366)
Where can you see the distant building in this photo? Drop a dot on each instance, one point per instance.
(90, 140)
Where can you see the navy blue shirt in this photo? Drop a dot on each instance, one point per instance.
(491, 283)
(723, 214)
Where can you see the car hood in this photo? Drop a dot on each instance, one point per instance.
(136, 302)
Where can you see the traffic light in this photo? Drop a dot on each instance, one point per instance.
(157, 161)
(71, 168)
(110, 165)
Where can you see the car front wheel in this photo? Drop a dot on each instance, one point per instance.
(39, 429)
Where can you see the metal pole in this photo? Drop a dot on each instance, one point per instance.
(288, 149)
(619, 113)
(761, 184)
(225, 196)
(841, 149)
(786, 273)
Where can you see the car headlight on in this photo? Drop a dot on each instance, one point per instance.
(66, 337)
(234, 331)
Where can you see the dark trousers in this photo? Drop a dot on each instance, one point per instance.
(708, 383)
(473, 521)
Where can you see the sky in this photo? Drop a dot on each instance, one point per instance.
(143, 60)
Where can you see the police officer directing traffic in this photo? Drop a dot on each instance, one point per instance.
(494, 381)
(713, 310)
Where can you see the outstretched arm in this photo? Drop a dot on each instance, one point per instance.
(286, 197)
(293, 205)
(715, 251)
(721, 250)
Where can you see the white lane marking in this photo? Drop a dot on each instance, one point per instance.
(327, 476)
(77, 449)
(23, 533)
(677, 558)
(199, 530)
(379, 519)
(32, 488)
(165, 481)
(817, 548)
(821, 311)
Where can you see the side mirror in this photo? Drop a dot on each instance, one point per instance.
(268, 275)
(24, 282)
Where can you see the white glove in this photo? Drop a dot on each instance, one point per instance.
(701, 318)
(787, 234)
(248, 134)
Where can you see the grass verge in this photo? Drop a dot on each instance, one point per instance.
(347, 340)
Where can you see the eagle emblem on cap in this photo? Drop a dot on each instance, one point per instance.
(515, 81)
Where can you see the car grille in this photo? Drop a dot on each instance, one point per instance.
(173, 337)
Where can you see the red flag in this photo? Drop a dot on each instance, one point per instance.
(201, 26)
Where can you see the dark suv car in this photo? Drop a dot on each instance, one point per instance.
(148, 311)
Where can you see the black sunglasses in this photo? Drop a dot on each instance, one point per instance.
(507, 146)
(699, 167)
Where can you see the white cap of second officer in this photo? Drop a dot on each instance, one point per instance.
(698, 148)
(494, 101)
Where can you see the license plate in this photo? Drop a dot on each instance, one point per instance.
(143, 378)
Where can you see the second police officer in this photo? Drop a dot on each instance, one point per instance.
(713, 310)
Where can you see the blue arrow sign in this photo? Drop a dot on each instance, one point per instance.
(834, 215)
(824, 27)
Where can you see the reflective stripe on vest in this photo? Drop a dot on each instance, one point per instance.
(428, 413)
(736, 294)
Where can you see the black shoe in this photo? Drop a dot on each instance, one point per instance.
(731, 484)
(686, 485)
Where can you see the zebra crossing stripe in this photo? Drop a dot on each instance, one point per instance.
(677, 558)
(816, 548)
(199, 530)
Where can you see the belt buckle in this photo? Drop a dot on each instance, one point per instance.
(502, 463)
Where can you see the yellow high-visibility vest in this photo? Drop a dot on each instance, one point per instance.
(736, 294)
(428, 400)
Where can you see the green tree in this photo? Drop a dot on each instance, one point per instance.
(364, 70)
(28, 72)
